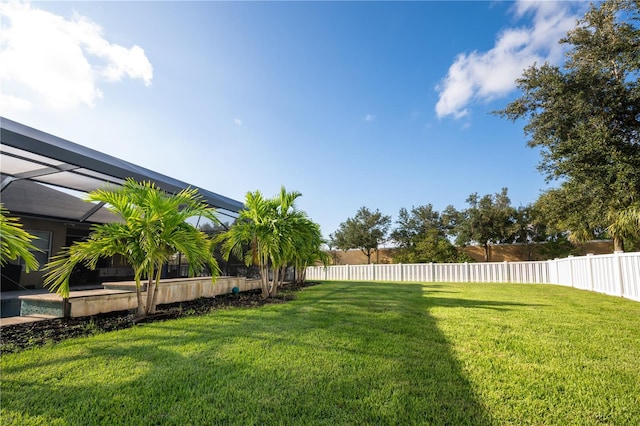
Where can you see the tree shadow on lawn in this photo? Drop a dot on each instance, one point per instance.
(344, 353)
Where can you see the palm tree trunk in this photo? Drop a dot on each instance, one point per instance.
(618, 243)
(154, 301)
(283, 273)
(141, 307)
(149, 292)
(264, 277)
(276, 278)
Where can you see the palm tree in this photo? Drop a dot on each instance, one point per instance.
(251, 229)
(286, 226)
(276, 233)
(624, 224)
(153, 227)
(16, 242)
(308, 252)
(301, 247)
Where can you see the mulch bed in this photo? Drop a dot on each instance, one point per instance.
(15, 338)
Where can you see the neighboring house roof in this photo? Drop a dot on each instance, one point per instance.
(30, 157)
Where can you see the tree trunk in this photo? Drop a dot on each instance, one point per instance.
(264, 279)
(274, 287)
(487, 255)
(149, 293)
(618, 244)
(141, 307)
(154, 301)
(283, 273)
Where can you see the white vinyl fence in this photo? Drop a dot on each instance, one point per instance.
(615, 274)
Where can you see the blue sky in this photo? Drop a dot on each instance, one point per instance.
(377, 104)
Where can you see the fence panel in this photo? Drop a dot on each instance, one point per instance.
(528, 272)
(388, 272)
(580, 272)
(615, 274)
(630, 275)
(603, 273)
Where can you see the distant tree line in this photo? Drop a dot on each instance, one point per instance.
(423, 234)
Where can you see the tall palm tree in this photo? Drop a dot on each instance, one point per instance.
(276, 234)
(16, 242)
(287, 228)
(251, 229)
(153, 227)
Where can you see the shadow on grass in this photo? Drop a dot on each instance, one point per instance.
(343, 353)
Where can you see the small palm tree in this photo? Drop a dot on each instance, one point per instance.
(153, 227)
(624, 224)
(16, 242)
(308, 252)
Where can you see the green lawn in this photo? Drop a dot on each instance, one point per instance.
(350, 353)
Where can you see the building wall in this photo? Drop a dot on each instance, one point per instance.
(519, 252)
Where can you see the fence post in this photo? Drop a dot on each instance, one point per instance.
(570, 259)
(506, 271)
(590, 270)
(401, 272)
(618, 271)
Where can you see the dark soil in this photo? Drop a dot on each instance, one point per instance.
(18, 337)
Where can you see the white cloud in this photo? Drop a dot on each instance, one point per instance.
(13, 103)
(238, 121)
(57, 63)
(483, 76)
(369, 117)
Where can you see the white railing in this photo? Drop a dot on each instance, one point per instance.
(615, 274)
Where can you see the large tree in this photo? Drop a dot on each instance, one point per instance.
(489, 219)
(421, 236)
(585, 119)
(153, 227)
(366, 231)
(528, 228)
(411, 224)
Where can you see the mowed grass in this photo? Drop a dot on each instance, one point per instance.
(350, 354)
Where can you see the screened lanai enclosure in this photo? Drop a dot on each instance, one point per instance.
(43, 178)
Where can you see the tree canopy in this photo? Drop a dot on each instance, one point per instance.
(421, 236)
(585, 118)
(489, 219)
(366, 231)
